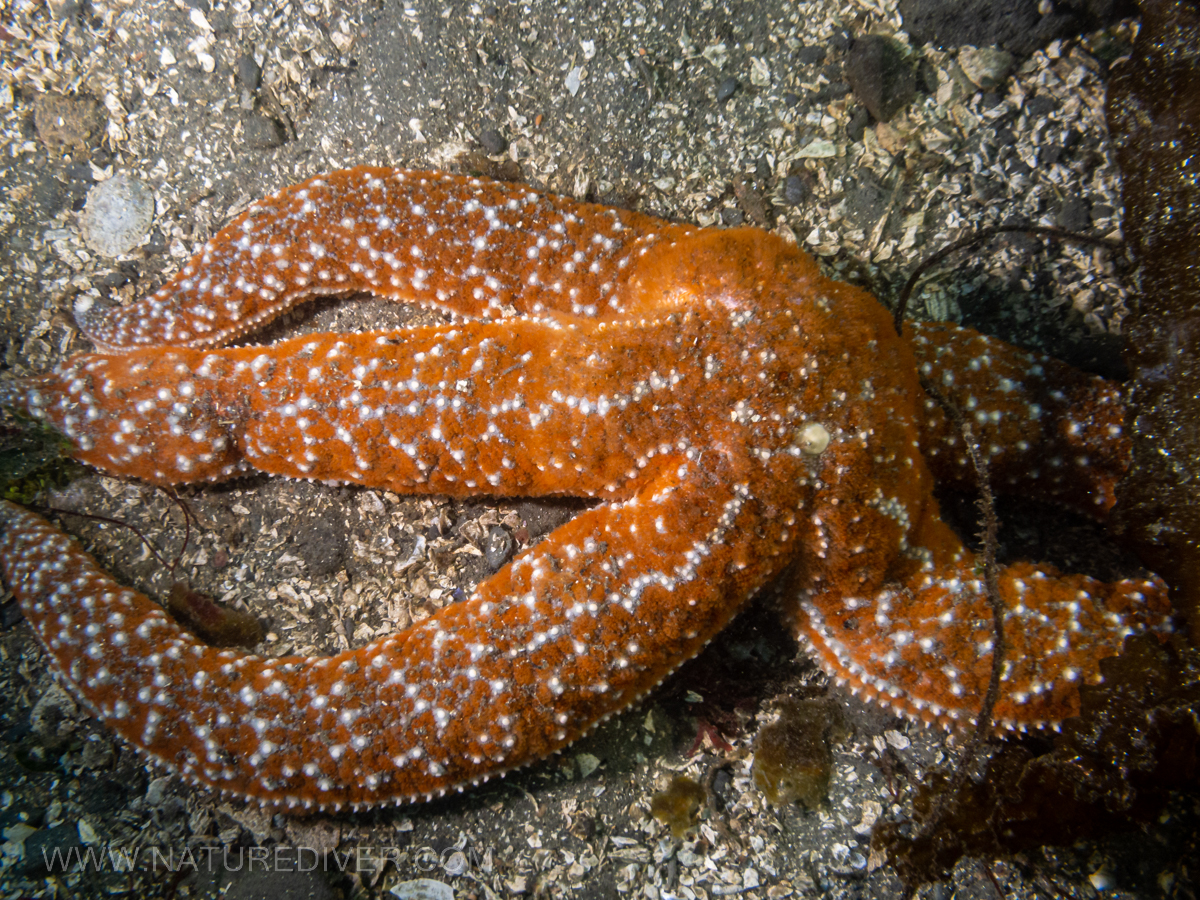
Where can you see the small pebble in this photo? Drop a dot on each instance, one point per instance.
(1040, 106)
(835, 90)
(67, 121)
(810, 56)
(492, 141)
(857, 126)
(726, 89)
(422, 889)
(795, 191)
(64, 9)
(1074, 215)
(263, 132)
(156, 243)
(249, 73)
(1102, 879)
(499, 547)
(986, 67)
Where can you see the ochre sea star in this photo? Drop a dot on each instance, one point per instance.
(738, 417)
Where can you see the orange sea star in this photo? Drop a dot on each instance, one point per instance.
(739, 416)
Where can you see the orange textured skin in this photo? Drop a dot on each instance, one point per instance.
(738, 414)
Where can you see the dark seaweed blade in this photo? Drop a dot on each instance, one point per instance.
(1154, 118)
(1114, 766)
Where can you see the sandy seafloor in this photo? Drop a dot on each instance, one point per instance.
(622, 102)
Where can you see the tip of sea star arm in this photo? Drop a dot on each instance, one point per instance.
(929, 657)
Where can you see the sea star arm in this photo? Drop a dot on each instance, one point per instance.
(923, 648)
(469, 246)
(541, 652)
(1047, 430)
(520, 408)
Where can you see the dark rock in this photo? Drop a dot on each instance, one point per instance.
(1041, 105)
(927, 76)
(840, 41)
(731, 215)
(79, 180)
(880, 76)
(499, 547)
(492, 141)
(67, 121)
(1101, 211)
(859, 120)
(1015, 25)
(10, 615)
(830, 92)
(114, 279)
(1073, 215)
(810, 56)
(722, 783)
(44, 848)
(220, 20)
(1018, 166)
(249, 73)
(263, 132)
(795, 191)
(322, 545)
(726, 89)
(865, 203)
(157, 242)
(1005, 137)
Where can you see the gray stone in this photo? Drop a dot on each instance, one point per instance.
(118, 215)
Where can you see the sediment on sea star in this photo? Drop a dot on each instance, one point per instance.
(739, 416)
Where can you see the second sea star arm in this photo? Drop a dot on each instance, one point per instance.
(1047, 429)
(521, 408)
(469, 246)
(571, 631)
